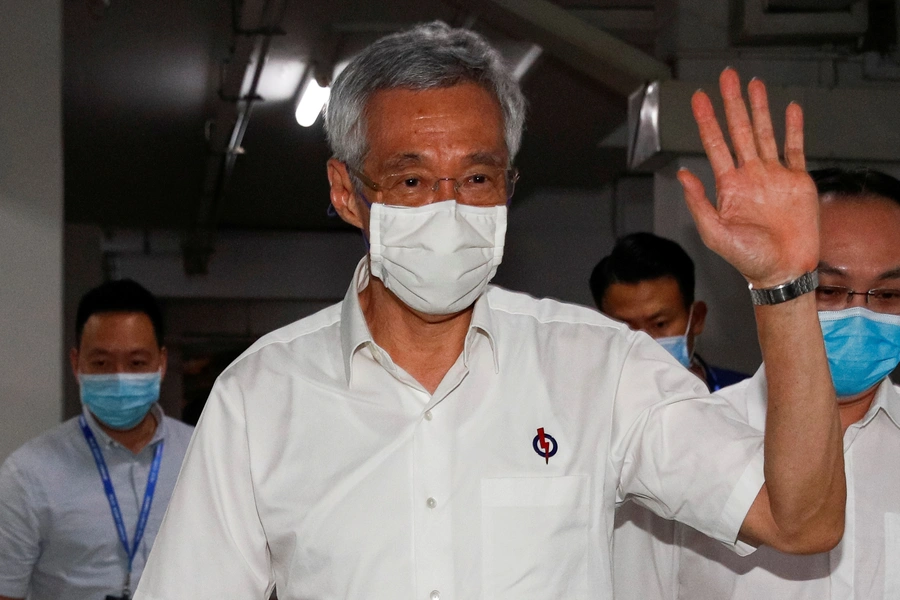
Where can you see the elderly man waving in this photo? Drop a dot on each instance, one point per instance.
(435, 437)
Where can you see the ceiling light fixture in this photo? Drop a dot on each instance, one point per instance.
(529, 57)
(311, 102)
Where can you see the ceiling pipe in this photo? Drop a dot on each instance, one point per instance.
(253, 28)
(605, 58)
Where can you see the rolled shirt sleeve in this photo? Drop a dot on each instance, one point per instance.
(689, 457)
(211, 544)
(19, 531)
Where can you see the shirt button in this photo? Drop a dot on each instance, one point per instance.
(435, 595)
(431, 502)
(428, 415)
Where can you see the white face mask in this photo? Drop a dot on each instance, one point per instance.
(437, 258)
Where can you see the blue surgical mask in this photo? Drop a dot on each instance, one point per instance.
(862, 347)
(677, 345)
(120, 400)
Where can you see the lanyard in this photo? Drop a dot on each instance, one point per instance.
(111, 494)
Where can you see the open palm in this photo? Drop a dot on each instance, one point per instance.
(765, 221)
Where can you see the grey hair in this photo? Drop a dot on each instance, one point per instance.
(427, 56)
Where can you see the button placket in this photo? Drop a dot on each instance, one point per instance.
(433, 543)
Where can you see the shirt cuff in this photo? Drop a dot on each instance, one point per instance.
(738, 505)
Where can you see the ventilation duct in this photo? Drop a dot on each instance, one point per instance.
(758, 22)
(810, 5)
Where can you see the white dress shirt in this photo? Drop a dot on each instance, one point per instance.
(864, 566)
(322, 467)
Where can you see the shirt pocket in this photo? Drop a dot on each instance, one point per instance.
(535, 537)
(891, 556)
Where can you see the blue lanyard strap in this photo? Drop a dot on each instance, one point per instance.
(111, 492)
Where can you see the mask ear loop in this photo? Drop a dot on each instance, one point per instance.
(686, 331)
(363, 231)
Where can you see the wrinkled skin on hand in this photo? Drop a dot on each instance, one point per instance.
(765, 220)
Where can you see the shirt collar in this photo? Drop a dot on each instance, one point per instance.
(100, 434)
(482, 325)
(355, 332)
(887, 398)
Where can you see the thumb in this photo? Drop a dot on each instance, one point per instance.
(705, 215)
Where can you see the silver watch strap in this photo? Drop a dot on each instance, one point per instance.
(787, 291)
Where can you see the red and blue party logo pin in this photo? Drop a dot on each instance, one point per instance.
(544, 444)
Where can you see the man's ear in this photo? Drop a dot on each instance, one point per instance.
(163, 361)
(698, 318)
(343, 195)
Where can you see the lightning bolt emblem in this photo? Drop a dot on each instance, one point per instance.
(544, 444)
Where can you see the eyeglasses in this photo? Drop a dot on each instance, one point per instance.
(485, 187)
(836, 297)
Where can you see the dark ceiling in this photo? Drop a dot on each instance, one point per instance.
(141, 83)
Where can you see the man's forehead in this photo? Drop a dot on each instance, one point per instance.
(863, 216)
(398, 109)
(130, 326)
(860, 237)
(647, 296)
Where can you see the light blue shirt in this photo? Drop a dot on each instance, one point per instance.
(57, 535)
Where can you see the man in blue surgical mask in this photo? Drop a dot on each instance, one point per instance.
(648, 282)
(858, 298)
(81, 504)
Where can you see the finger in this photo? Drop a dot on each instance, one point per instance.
(711, 134)
(736, 116)
(762, 120)
(705, 215)
(793, 139)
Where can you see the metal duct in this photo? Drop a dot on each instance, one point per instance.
(254, 25)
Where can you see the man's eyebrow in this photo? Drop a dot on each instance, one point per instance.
(829, 270)
(664, 313)
(490, 159)
(891, 274)
(401, 161)
(413, 159)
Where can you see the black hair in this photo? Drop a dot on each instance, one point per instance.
(856, 183)
(122, 295)
(641, 256)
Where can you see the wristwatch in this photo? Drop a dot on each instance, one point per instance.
(786, 291)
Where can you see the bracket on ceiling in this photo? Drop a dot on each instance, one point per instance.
(254, 24)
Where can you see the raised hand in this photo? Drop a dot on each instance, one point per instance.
(766, 218)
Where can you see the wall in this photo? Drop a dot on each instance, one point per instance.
(31, 217)
(82, 271)
(555, 237)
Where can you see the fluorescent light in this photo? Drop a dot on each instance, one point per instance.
(311, 102)
(527, 61)
(280, 79)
